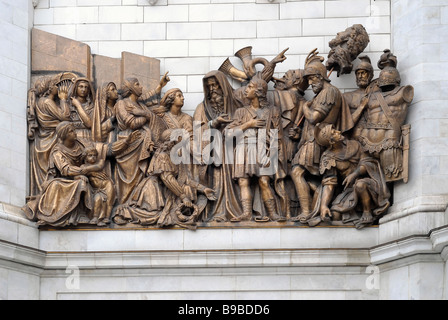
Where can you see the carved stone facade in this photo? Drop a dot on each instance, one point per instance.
(101, 146)
(403, 256)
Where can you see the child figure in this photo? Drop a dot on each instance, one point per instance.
(103, 188)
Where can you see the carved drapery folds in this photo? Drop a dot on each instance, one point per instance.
(109, 148)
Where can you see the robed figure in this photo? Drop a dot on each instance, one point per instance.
(215, 113)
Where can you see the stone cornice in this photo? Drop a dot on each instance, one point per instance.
(417, 205)
(14, 214)
(434, 243)
(22, 255)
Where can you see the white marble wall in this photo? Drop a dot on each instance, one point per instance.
(20, 261)
(15, 22)
(405, 257)
(193, 37)
(208, 264)
(18, 280)
(419, 32)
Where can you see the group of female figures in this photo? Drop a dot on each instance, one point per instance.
(96, 157)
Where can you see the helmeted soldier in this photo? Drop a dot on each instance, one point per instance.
(385, 115)
(357, 100)
(328, 107)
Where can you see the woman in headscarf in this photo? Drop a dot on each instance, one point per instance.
(67, 197)
(132, 115)
(66, 194)
(104, 122)
(44, 114)
(104, 118)
(82, 99)
(170, 111)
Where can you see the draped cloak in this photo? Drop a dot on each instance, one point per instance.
(217, 175)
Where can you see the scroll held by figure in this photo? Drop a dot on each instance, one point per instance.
(261, 148)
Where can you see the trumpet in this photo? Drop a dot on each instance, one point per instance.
(249, 63)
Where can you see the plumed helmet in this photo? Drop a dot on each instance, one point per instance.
(387, 59)
(314, 66)
(389, 76)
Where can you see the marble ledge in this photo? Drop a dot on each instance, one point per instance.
(22, 256)
(416, 205)
(207, 239)
(14, 214)
(210, 259)
(435, 244)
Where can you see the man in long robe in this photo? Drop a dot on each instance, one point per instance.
(214, 113)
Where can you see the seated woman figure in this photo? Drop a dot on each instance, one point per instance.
(66, 194)
(67, 197)
(161, 199)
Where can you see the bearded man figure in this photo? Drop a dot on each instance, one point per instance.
(329, 107)
(383, 136)
(214, 113)
(357, 100)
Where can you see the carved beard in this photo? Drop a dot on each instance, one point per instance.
(362, 83)
(217, 102)
(317, 87)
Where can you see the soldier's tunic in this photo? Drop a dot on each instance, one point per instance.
(382, 134)
(333, 109)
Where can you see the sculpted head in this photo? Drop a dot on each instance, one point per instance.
(111, 91)
(315, 71)
(90, 155)
(364, 72)
(214, 88)
(292, 79)
(173, 97)
(132, 86)
(257, 88)
(66, 132)
(326, 135)
(345, 47)
(82, 89)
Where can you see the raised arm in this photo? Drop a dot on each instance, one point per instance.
(128, 119)
(85, 118)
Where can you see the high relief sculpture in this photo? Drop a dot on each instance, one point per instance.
(109, 154)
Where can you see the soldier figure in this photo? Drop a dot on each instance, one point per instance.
(385, 115)
(328, 107)
(357, 100)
